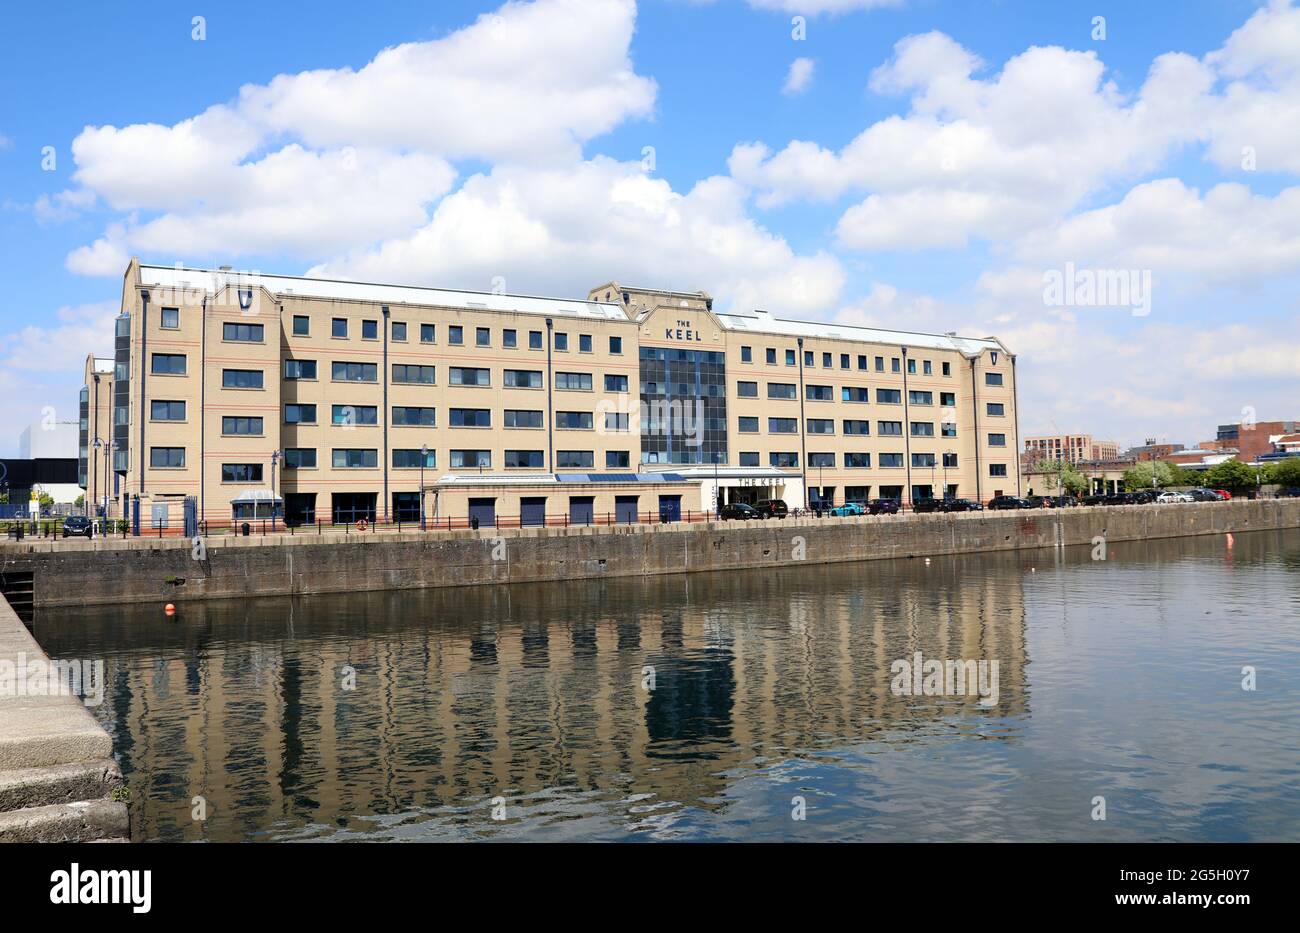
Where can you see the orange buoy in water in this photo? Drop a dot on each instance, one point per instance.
(1230, 539)
(170, 609)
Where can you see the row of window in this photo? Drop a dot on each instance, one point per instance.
(304, 458)
(846, 361)
(428, 333)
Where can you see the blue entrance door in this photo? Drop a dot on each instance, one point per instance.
(670, 508)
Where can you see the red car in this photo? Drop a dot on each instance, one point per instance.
(1224, 493)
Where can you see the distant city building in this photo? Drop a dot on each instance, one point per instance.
(1151, 450)
(1072, 448)
(1251, 441)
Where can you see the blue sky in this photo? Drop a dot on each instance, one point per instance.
(937, 161)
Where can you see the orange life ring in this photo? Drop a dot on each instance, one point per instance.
(362, 524)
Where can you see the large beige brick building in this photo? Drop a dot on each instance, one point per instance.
(325, 397)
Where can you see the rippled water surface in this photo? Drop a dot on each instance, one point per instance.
(707, 706)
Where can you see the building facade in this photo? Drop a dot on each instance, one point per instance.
(1071, 448)
(344, 401)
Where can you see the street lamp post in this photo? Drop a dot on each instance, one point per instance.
(275, 458)
(424, 455)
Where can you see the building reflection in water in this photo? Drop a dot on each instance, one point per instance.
(533, 693)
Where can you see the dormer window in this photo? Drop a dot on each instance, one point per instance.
(993, 357)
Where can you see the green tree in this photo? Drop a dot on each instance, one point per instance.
(1284, 472)
(46, 500)
(1139, 476)
(1232, 475)
(1060, 477)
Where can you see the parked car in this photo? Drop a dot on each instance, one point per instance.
(960, 505)
(1167, 497)
(78, 526)
(882, 507)
(771, 508)
(926, 506)
(1008, 502)
(739, 511)
(1062, 502)
(1289, 492)
(1224, 493)
(1204, 495)
(848, 509)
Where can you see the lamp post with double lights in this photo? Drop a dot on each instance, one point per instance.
(275, 506)
(424, 455)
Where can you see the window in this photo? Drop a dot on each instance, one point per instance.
(911, 367)
(573, 420)
(469, 376)
(615, 344)
(242, 333)
(482, 337)
(409, 459)
(997, 469)
(584, 343)
(301, 325)
(923, 429)
(917, 397)
(168, 364)
(857, 427)
(950, 460)
(241, 472)
(855, 394)
(894, 366)
(947, 399)
(826, 361)
(167, 458)
(993, 379)
(241, 378)
(749, 458)
(456, 334)
(574, 459)
(748, 425)
(617, 459)
(339, 327)
(561, 340)
(354, 372)
(299, 369)
(948, 428)
(821, 460)
(171, 318)
(239, 424)
(509, 338)
(889, 396)
(781, 390)
(807, 358)
(947, 369)
(408, 373)
(517, 418)
(856, 460)
(844, 361)
(747, 389)
(299, 414)
(354, 458)
(522, 378)
(880, 364)
(891, 460)
(516, 459)
(534, 340)
(821, 426)
(399, 330)
(471, 417)
(300, 458)
(167, 411)
(819, 393)
(746, 354)
(789, 358)
(615, 383)
(354, 414)
(993, 357)
(406, 415)
(471, 459)
(771, 356)
(922, 460)
(927, 368)
(369, 330)
(889, 428)
(426, 333)
(782, 425)
(573, 381)
(997, 440)
(862, 362)
(616, 421)
(996, 409)
(787, 459)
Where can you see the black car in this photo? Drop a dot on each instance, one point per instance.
(925, 506)
(1204, 495)
(771, 508)
(738, 510)
(882, 507)
(960, 505)
(78, 525)
(1008, 502)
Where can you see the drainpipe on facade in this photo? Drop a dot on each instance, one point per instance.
(975, 410)
(803, 443)
(203, 414)
(1015, 424)
(907, 433)
(384, 378)
(144, 370)
(550, 405)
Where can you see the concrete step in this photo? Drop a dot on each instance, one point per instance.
(85, 821)
(66, 783)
